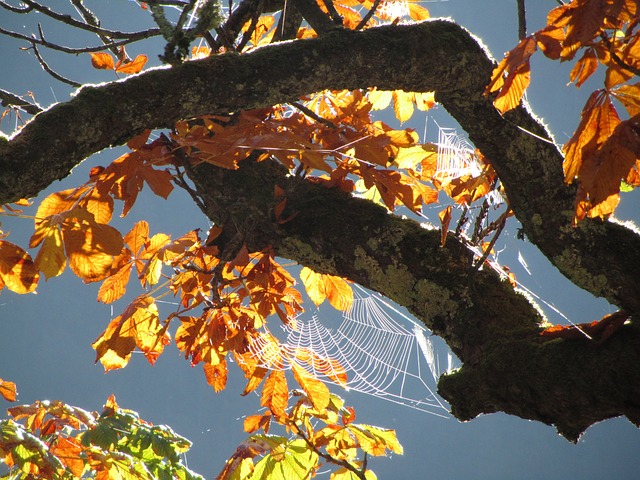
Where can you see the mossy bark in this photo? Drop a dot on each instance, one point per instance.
(484, 321)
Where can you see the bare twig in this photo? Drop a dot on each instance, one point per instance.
(368, 16)
(314, 16)
(53, 46)
(461, 221)
(522, 20)
(69, 20)
(496, 223)
(616, 58)
(487, 251)
(50, 71)
(333, 13)
(11, 8)
(8, 99)
(310, 113)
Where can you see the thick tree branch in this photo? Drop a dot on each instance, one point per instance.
(438, 55)
(508, 365)
(483, 320)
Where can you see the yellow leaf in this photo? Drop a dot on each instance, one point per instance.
(51, 259)
(417, 12)
(402, 105)
(317, 392)
(102, 61)
(134, 66)
(380, 99)
(412, 156)
(8, 390)
(314, 285)
(17, 270)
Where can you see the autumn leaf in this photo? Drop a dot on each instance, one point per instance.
(402, 105)
(102, 61)
(275, 393)
(317, 392)
(584, 68)
(137, 326)
(18, 272)
(8, 390)
(135, 66)
(216, 375)
(445, 220)
(516, 67)
(320, 286)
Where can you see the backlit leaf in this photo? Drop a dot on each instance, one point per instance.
(445, 220)
(516, 67)
(317, 392)
(17, 271)
(102, 61)
(8, 390)
(216, 375)
(134, 66)
(275, 393)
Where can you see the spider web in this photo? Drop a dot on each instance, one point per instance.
(385, 353)
(456, 156)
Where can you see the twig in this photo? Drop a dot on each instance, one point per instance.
(74, 51)
(616, 58)
(11, 8)
(461, 222)
(522, 20)
(368, 16)
(9, 99)
(69, 20)
(496, 223)
(333, 13)
(50, 71)
(487, 252)
(310, 113)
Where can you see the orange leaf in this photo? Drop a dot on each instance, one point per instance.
(90, 248)
(275, 393)
(8, 390)
(102, 61)
(134, 66)
(256, 422)
(516, 67)
(584, 68)
(317, 392)
(216, 375)
(338, 291)
(445, 220)
(115, 286)
(17, 270)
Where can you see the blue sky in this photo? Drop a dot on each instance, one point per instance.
(45, 339)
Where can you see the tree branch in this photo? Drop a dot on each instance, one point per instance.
(508, 365)
(437, 55)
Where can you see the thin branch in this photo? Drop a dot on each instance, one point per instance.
(50, 71)
(11, 8)
(333, 13)
(311, 114)
(368, 16)
(522, 20)
(74, 51)
(9, 99)
(91, 19)
(487, 251)
(314, 16)
(616, 58)
(69, 20)
(228, 33)
(496, 223)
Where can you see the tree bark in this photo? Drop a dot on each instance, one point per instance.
(507, 365)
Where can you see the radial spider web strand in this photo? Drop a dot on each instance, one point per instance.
(381, 356)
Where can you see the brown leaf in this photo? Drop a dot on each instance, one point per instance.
(102, 61)
(8, 390)
(134, 66)
(216, 375)
(445, 220)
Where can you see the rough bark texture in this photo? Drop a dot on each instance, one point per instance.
(507, 365)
